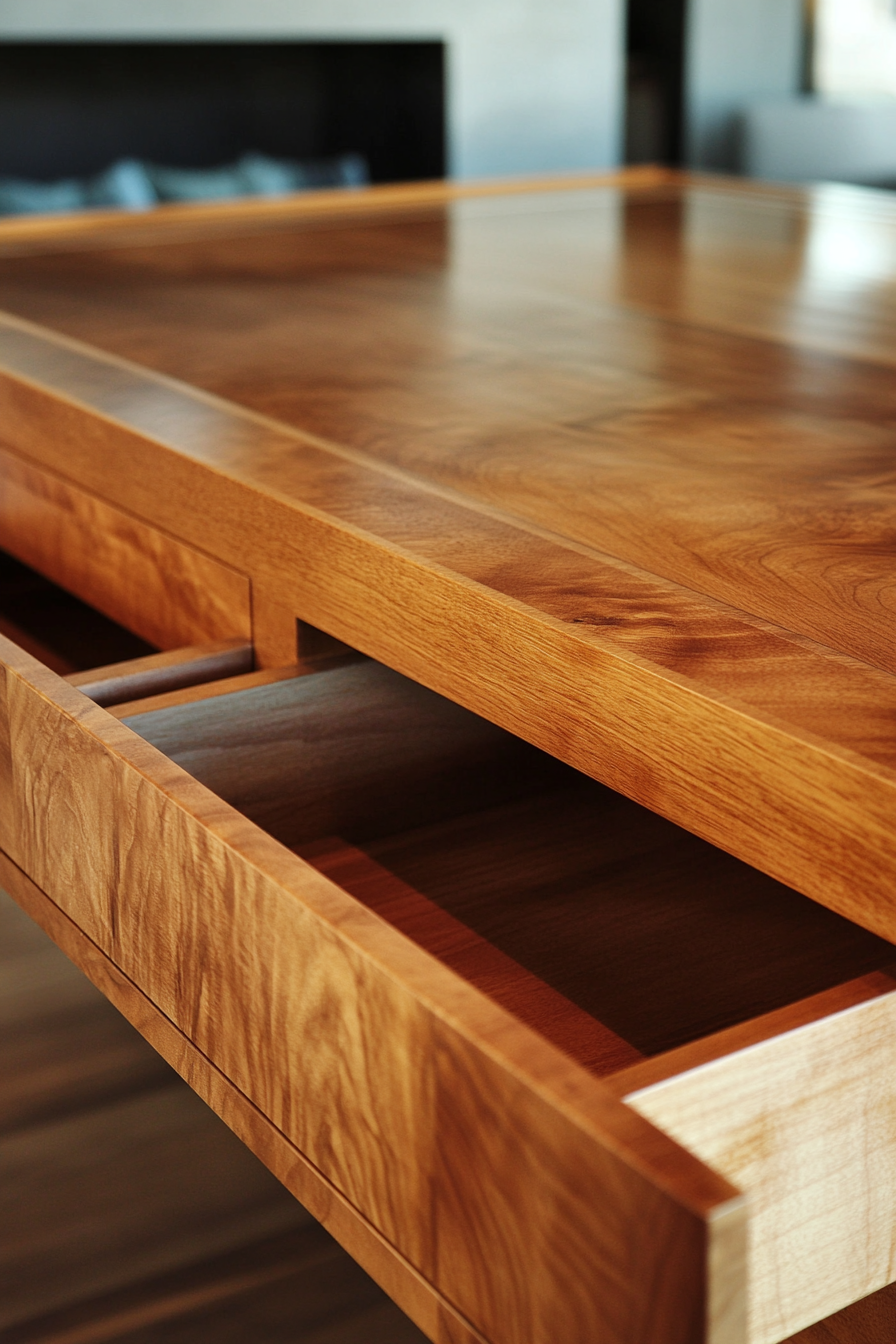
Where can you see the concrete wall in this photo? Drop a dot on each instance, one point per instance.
(533, 85)
(737, 52)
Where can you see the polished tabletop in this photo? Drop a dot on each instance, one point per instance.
(611, 462)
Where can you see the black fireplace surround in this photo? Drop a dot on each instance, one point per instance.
(71, 109)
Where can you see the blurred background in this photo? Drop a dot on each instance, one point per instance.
(108, 102)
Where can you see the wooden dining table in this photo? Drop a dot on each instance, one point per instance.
(590, 476)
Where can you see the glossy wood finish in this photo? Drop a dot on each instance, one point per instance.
(606, 466)
(384, 1071)
(572, 906)
(586, 917)
(168, 593)
(160, 673)
(609, 466)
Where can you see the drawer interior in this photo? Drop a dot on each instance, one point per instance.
(58, 628)
(564, 900)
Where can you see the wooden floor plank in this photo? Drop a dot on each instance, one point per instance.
(128, 1210)
(298, 1286)
(870, 1321)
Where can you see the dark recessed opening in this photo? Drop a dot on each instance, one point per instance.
(655, 33)
(73, 108)
(58, 628)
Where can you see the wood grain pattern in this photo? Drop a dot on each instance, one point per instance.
(158, 673)
(389, 1074)
(659, 1068)
(529, 999)
(595, 896)
(612, 468)
(572, 414)
(296, 1286)
(162, 590)
(356, 751)
(801, 1120)
(206, 690)
(790, 750)
(404, 1284)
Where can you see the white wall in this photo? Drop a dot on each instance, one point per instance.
(737, 52)
(855, 47)
(533, 85)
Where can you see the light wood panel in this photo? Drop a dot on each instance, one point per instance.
(802, 1121)
(166, 592)
(776, 749)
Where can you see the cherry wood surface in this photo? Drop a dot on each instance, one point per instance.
(56, 627)
(382, 1072)
(608, 464)
(167, 593)
(492, 855)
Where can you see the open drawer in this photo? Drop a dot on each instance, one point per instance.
(551, 1068)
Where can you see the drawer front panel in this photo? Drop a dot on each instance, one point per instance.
(536, 1203)
(162, 590)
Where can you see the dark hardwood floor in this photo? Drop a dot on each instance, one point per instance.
(128, 1211)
